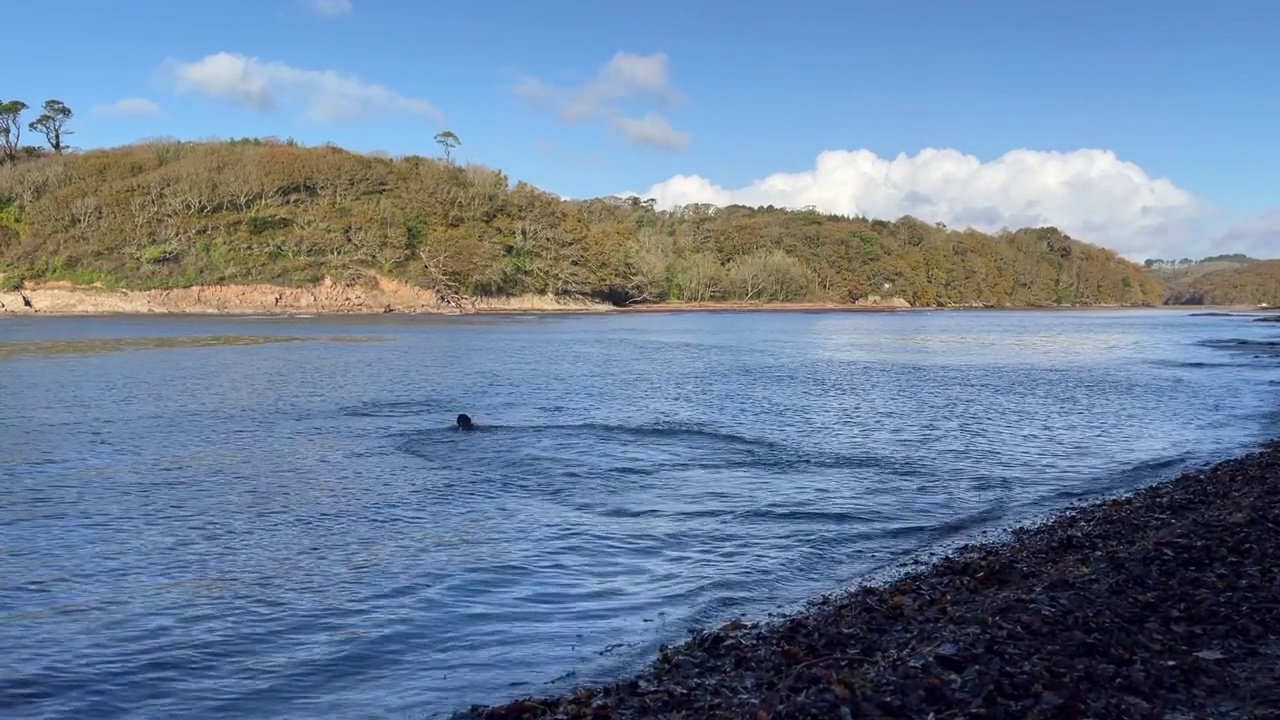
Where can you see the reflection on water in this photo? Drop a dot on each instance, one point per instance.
(290, 527)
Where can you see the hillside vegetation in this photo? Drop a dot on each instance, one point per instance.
(1234, 279)
(1177, 273)
(1253, 283)
(172, 214)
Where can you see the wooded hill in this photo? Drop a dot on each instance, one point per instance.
(1176, 274)
(172, 214)
(1251, 282)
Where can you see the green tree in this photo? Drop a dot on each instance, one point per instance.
(52, 123)
(447, 140)
(11, 128)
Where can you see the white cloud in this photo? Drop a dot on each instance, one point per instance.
(1256, 235)
(129, 107)
(328, 95)
(1090, 194)
(328, 8)
(652, 129)
(626, 76)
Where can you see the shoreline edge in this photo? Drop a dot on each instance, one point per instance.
(1157, 602)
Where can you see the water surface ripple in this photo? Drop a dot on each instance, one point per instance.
(199, 521)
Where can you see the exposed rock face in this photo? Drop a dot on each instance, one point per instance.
(15, 302)
(327, 297)
(877, 301)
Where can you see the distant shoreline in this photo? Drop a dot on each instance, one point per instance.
(825, 307)
(394, 297)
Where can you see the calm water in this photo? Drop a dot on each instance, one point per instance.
(260, 518)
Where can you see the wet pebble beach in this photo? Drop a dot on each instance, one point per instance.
(1161, 604)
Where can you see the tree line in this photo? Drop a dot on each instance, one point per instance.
(51, 123)
(1162, 264)
(164, 213)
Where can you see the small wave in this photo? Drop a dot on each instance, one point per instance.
(939, 536)
(628, 513)
(1239, 342)
(934, 532)
(558, 458)
(1254, 349)
(715, 449)
(773, 462)
(1119, 481)
(806, 517)
(793, 459)
(672, 430)
(404, 408)
(1160, 464)
(1187, 364)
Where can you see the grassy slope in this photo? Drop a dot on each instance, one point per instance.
(170, 214)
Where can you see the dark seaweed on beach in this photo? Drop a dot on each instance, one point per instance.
(1163, 604)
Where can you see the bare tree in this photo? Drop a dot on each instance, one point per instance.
(11, 128)
(84, 212)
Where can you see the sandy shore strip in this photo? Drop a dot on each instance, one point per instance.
(1161, 604)
(386, 295)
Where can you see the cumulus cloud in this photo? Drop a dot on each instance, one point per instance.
(1256, 235)
(128, 107)
(1089, 194)
(327, 94)
(652, 129)
(625, 77)
(328, 8)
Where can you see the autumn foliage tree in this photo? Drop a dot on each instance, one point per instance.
(1253, 282)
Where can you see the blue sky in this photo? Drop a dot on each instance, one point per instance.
(727, 94)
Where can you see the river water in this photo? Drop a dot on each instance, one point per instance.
(265, 517)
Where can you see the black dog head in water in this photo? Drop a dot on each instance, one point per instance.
(464, 422)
